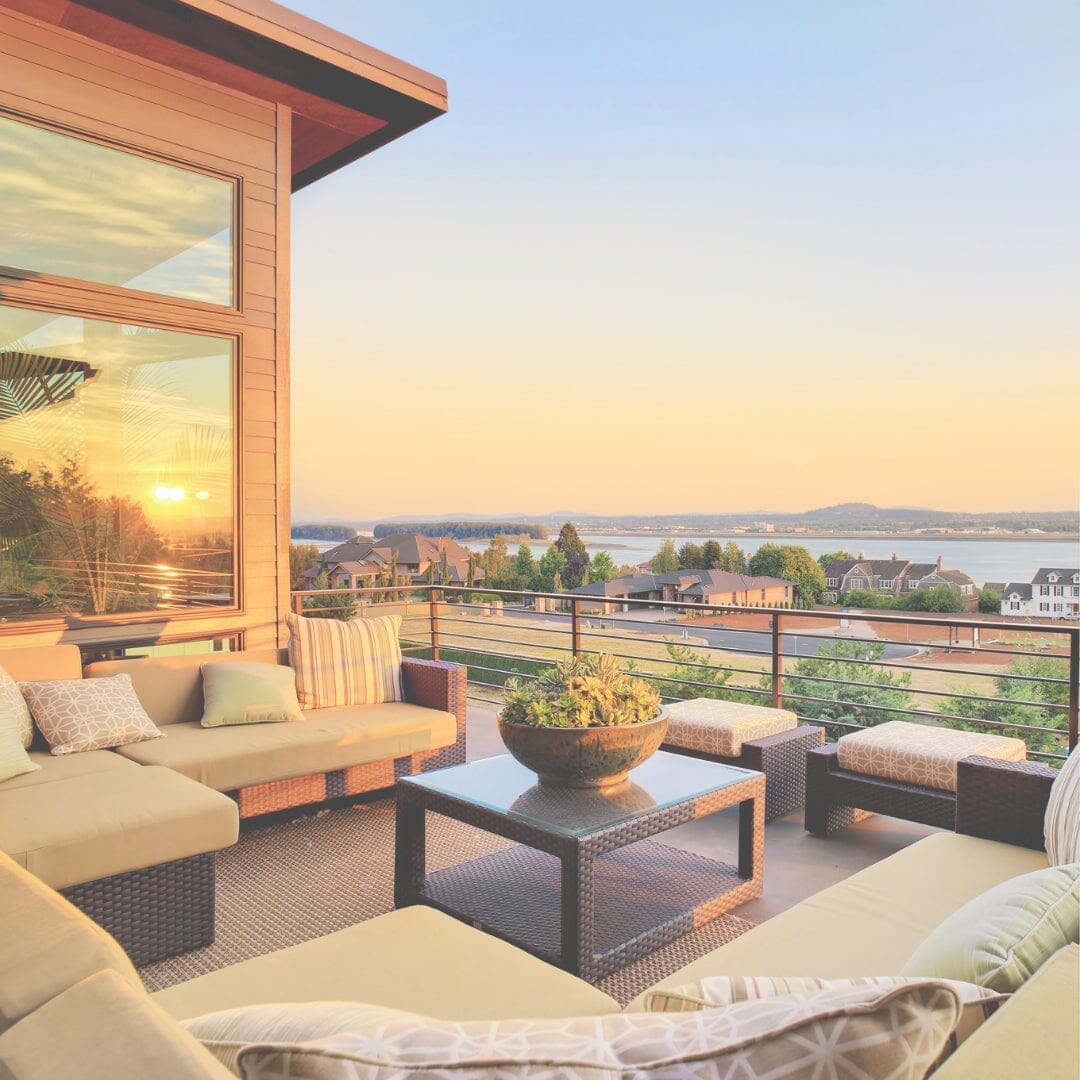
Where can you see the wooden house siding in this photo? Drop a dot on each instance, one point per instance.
(62, 79)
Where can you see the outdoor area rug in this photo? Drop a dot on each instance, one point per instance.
(289, 882)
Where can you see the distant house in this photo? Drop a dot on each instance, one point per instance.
(357, 563)
(891, 576)
(1053, 593)
(706, 587)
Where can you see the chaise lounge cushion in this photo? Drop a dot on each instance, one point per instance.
(229, 758)
(47, 945)
(919, 754)
(99, 824)
(869, 923)
(103, 1028)
(414, 958)
(52, 768)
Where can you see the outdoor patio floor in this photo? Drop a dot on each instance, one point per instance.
(797, 864)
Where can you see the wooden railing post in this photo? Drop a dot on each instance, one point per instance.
(298, 604)
(777, 663)
(433, 616)
(575, 628)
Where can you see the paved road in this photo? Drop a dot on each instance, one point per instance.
(751, 641)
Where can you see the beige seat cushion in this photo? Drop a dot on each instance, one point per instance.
(46, 945)
(918, 754)
(98, 824)
(870, 923)
(228, 758)
(721, 727)
(68, 765)
(415, 958)
(63, 1040)
(1036, 1033)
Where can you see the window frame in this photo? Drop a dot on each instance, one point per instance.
(120, 293)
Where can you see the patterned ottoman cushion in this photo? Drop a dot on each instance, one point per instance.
(917, 754)
(721, 727)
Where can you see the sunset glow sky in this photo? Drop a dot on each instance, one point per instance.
(708, 256)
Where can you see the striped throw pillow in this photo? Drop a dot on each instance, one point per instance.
(345, 663)
(1061, 826)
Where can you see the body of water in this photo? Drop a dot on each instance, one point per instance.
(984, 560)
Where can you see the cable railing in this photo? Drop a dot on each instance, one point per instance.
(842, 669)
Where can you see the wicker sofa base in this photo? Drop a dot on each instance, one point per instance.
(156, 912)
(836, 798)
(782, 758)
(300, 791)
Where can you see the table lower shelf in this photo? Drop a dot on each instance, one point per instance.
(644, 895)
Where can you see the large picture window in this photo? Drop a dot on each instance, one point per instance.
(117, 468)
(77, 209)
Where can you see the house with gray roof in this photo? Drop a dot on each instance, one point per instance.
(416, 559)
(1053, 593)
(891, 576)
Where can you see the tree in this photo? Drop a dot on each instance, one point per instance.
(712, 555)
(792, 563)
(470, 579)
(665, 561)
(880, 689)
(867, 598)
(1025, 701)
(938, 598)
(990, 601)
(601, 567)
(551, 567)
(734, 558)
(329, 607)
(694, 676)
(826, 560)
(301, 557)
(573, 551)
(691, 557)
(523, 569)
(496, 561)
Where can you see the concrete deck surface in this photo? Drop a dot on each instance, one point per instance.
(797, 864)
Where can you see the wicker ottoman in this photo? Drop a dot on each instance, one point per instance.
(750, 737)
(900, 769)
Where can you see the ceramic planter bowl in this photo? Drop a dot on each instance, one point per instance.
(584, 757)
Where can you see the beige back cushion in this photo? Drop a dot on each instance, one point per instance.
(170, 687)
(102, 1029)
(40, 662)
(47, 945)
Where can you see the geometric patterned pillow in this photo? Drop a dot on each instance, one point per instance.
(11, 696)
(863, 1031)
(720, 991)
(1061, 826)
(345, 663)
(89, 714)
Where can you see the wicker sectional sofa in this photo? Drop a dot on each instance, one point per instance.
(130, 835)
(55, 1001)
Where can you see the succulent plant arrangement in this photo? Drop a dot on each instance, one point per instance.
(580, 693)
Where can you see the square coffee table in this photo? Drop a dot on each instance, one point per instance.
(585, 888)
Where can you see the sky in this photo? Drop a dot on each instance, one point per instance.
(664, 258)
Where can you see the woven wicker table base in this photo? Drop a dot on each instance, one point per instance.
(644, 889)
(587, 888)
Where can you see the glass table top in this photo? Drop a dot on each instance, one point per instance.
(503, 785)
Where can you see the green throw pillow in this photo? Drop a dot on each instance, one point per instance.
(14, 760)
(1003, 936)
(238, 692)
